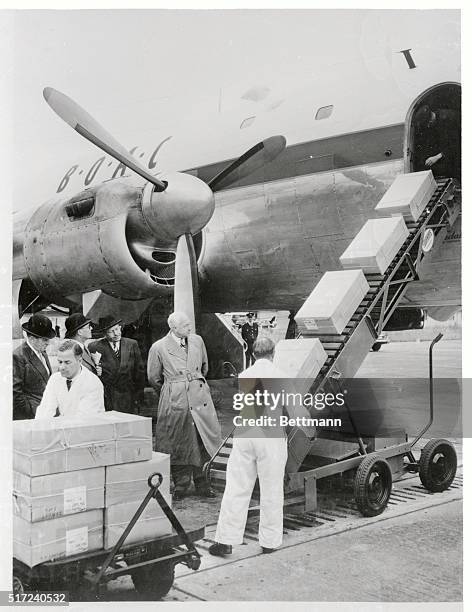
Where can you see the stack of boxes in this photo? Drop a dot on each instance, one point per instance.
(126, 485)
(77, 483)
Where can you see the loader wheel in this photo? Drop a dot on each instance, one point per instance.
(19, 586)
(438, 465)
(372, 485)
(153, 582)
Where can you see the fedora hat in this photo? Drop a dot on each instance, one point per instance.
(40, 326)
(75, 322)
(105, 323)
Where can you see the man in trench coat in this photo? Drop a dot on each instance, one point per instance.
(187, 426)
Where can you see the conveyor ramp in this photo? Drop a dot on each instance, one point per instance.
(347, 351)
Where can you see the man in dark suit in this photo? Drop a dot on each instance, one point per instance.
(249, 333)
(122, 367)
(438, 141)
(79, 328)
(31, 367)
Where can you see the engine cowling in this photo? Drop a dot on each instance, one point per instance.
(80, 245)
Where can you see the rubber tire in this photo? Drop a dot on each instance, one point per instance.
(19, 585)
(430, 480)
(154, 582)
(367, 468)
(377, 346)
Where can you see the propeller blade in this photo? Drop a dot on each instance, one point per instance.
(89, 128)
(256, 157)
(186, 297)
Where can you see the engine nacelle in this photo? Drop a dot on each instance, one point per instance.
(80, 245)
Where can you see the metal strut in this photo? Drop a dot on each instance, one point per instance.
(153, 493)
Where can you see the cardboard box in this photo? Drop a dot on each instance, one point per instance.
(133, 436)
(301, 358)
(332, 302)
(129, 481)
(61, 444)
(38, 498)
(57, 538)
(376, 244)
(408, 195)
(151, 524)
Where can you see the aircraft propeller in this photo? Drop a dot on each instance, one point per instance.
(89, 128)
(183, 205)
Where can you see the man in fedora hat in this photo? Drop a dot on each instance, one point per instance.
(122, 367)
(79, 328)
(31, 367)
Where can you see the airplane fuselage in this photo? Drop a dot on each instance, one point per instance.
(274, 233)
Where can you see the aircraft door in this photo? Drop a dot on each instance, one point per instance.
(434, 132)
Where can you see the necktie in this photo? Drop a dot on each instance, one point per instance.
(68, 383)
(116, 348)
(45, 363)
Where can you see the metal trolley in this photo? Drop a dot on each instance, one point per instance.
(150, 563)
(370, 469)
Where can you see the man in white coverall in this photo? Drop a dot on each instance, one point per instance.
(257, 452)
(73, 391)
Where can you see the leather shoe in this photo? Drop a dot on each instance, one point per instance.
(176, 495)
(267, 551)
(220, 550)
(209, 493)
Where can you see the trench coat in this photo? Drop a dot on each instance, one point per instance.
(123, 377)
(185, 404)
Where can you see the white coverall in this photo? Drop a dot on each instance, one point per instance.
(252, 457)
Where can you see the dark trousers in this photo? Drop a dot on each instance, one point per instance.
(250, 359)
(182, 474)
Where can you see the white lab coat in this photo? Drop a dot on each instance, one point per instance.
(84, 398)
(251, 457)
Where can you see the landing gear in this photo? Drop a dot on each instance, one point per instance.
(438, 465)
(372, 485)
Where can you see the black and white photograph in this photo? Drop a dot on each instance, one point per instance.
(232, 309)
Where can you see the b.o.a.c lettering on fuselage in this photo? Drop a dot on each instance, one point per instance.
(102, 171)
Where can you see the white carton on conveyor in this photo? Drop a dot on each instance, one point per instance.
(332, 302)
(376, 244)
(300, 358)
(408, 194)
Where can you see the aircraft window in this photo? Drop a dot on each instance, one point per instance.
(247, 122)
(324, 112)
